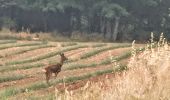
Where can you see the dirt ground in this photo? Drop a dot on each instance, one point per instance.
(36, 74)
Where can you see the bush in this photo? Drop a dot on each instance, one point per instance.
(7, 22)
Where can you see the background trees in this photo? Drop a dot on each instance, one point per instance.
(113, 19)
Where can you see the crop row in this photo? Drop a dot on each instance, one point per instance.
(40, 85)
(41, 57)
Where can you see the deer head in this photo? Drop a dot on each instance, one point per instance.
(63, 58)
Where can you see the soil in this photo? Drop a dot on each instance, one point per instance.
(36, 74)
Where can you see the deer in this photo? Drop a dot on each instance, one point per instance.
(56, 68)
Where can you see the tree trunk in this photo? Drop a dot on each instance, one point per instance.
(72, 25)
(108, 29)
(116, 26)
(102, 26)
(45, 21)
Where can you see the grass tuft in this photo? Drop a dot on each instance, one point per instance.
(8, 92)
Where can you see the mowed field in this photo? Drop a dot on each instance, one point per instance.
(22, 62)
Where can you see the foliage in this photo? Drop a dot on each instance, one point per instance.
(7, 22)
(114, 19)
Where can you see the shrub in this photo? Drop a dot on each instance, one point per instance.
(7, 22)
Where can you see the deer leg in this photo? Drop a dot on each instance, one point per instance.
(56, 74)
(48, 75)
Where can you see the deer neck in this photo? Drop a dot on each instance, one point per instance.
(61, 62)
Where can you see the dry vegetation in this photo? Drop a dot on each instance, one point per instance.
(54, 36)
(147, 78)
(21, 64)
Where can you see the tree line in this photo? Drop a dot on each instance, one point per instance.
(113, 19)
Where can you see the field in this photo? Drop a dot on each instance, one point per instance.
(22, 62)
(146, 78)
(97, 71)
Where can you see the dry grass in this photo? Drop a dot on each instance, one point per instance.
(146, 79)
(25, 35)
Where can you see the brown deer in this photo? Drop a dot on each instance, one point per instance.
(54, 68)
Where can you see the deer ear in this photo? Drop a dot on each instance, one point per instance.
(62, 54)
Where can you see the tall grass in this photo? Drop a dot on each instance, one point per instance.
(147, 78)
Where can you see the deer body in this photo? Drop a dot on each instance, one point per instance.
(54, 68)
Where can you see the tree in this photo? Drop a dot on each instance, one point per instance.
(114, 19)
